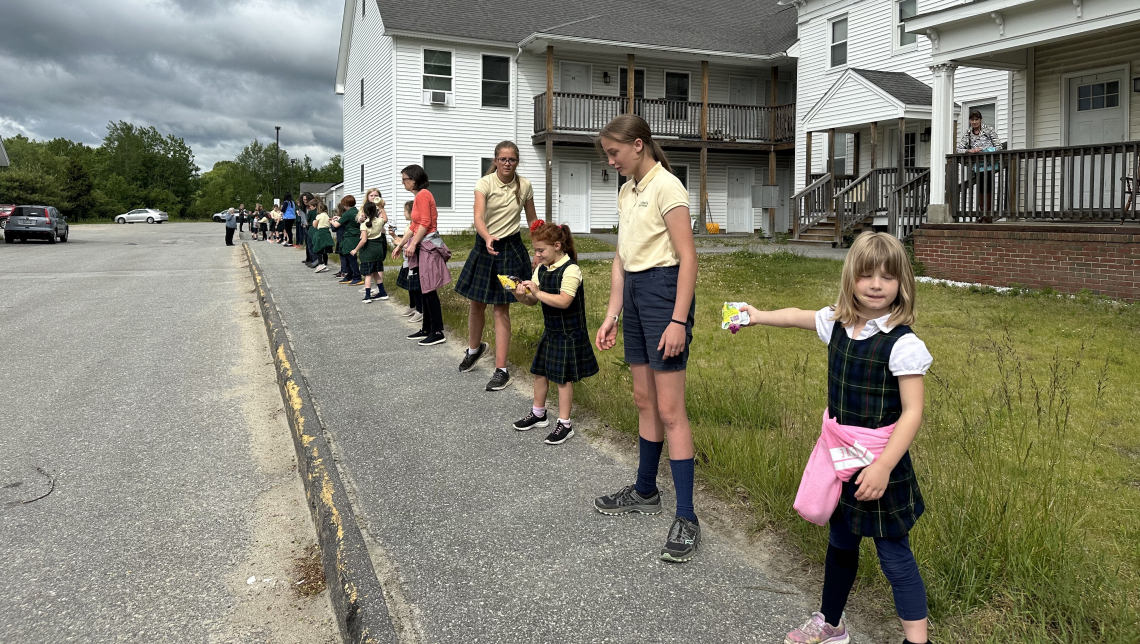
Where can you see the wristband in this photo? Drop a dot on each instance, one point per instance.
(615, 317)
(678, 322)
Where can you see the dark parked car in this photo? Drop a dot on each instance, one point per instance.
(36, 222)
(4, 212)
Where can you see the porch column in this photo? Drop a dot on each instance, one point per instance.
(900, 169)
(874, 144)
(808, 161)
(703, 217)
(831, 185)
(941, 140)
(549, 133)
(629, 84)
(772, 99)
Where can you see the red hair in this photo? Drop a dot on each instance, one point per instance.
(554, 234)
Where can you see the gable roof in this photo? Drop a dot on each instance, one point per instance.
(907, 89)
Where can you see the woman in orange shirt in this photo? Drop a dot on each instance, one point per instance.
(426, 253)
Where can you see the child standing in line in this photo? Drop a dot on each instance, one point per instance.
(322, 238)
(371, 249)
(860, 478)
(653, 280)
(564, 355)
(263, 225)
(408, 279)
(349, 234)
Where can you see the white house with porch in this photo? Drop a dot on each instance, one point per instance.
(864, 124)
(442, 83)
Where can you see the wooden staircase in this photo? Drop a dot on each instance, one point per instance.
(851, 204)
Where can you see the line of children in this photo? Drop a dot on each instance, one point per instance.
(564, 355)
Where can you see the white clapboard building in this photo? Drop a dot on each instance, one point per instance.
(441, 82)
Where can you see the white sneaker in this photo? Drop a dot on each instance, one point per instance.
(321, 269)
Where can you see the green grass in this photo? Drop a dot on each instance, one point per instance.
(461, 244)
(1028, 457)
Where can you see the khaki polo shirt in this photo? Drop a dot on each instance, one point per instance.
(643, 239)
(503, 208)
(571, 277)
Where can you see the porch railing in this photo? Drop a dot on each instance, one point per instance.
(908, 205)
(1072, 183)
(590, 112)
(810, 205)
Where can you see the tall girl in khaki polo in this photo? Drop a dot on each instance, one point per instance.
(653, 279)
(499, 198)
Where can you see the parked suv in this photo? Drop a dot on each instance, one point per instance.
(4, 212)
(43, 222)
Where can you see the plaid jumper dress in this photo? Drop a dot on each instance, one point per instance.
(564, 352)
(861, 391)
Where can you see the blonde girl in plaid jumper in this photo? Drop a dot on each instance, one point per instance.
(876, 367)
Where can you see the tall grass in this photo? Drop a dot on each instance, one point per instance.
(1028, 456)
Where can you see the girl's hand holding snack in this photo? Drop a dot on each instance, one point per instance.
(528, 286)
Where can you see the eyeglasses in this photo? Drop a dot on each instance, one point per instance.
(506, 160)
(405, 179)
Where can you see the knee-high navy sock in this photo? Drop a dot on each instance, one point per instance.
(647, 466)
(839, 573)
(683, 483)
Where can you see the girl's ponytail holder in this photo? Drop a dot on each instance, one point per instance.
(536, 224)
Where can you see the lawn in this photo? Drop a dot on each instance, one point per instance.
(1029, 457)
(462, 244)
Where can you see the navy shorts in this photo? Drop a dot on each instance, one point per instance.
(648, 302)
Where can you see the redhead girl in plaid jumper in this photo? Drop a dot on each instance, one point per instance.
(865, 487)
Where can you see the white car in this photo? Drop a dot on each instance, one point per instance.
(149, 215)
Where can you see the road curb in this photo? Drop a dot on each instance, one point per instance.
(356, 595)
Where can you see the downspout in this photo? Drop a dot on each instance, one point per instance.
(515, 85)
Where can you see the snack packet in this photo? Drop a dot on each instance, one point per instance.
(733, 316)
(509, 282)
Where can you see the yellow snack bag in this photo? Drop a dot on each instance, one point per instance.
(508, 282)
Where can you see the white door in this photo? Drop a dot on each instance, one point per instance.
(740, 200)
(1096, 114)
(574, 112)
(741, 123)
(574, 195)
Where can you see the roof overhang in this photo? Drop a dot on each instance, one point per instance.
(852, 89)
(537, 43)
(345, 42)
(423, 35)
(994, 33)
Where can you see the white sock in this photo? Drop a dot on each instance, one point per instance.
(539, 411)
(472, 352)
(565, 421)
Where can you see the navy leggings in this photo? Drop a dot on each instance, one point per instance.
(896, 560)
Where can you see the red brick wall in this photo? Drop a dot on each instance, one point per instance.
(1067, 258)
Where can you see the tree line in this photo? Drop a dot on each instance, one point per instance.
(139, 167)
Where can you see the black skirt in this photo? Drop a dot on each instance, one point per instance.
(479, 279)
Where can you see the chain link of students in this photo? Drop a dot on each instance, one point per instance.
(859, 479)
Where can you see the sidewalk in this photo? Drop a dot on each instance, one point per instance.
(492, 533)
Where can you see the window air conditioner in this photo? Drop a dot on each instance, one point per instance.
(439, 98)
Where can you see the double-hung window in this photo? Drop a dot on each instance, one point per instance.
(437, 70)
(496, 81)
(904, 10)
(838, 42)
(439, 172)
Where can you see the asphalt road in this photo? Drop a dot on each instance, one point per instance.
(485, 534)
(134, 378)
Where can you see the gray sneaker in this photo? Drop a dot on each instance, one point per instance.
(627, 500)
(681, 544)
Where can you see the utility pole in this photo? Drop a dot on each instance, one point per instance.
(277, 165)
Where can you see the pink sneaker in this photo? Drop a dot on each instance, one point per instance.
(817, 631)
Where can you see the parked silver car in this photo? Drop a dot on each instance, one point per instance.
(36, 222)
(149, 215)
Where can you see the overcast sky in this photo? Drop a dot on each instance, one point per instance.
(216, 72)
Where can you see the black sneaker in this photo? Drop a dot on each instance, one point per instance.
(418, 335)
(434, 338)
(560, 435)
(681, 544)
(469, 359)
(627, 500)
(499, 380)
(531, 421)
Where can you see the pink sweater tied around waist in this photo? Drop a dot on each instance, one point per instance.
(840, 451)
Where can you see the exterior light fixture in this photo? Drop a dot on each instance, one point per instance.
(606, 78)
(925, 136)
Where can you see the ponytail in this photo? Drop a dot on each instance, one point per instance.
(370, 212)
(554, 234)
(628, 128)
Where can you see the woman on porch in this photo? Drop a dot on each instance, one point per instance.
(499, 198)
(979, 138)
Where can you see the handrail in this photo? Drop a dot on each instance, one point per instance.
(909, 204)
(803, 202)
(823, 178)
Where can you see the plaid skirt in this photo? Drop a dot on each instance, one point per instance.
(893, 514)
(368, 268)
(408, 279)
(564, 357)
(479, 279)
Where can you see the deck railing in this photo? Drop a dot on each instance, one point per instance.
(810, 205)
(908, 205)
(1073, 183)
(590, 112)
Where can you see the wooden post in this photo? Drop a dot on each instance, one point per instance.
(874, 144)
(855, 165)
(830, 194)
(703, 217)
(549, 132)
(902, 154)
(773, 98)
(807, 165)
(630, 74)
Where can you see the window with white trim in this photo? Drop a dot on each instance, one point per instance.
(437, 70)
(840, 166)
(439, 172)
(496, 81)
(677, 93)
(838, 29)
(904, 10)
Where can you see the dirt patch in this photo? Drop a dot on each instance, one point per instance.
(309, 572)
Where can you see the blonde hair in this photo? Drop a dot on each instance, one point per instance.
(378, 194)
(518, 184)
(869, 252)
(408, 209)
(628, 128)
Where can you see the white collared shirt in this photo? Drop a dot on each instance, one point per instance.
(908, 357)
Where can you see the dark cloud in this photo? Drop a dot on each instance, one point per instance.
(216, 72)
